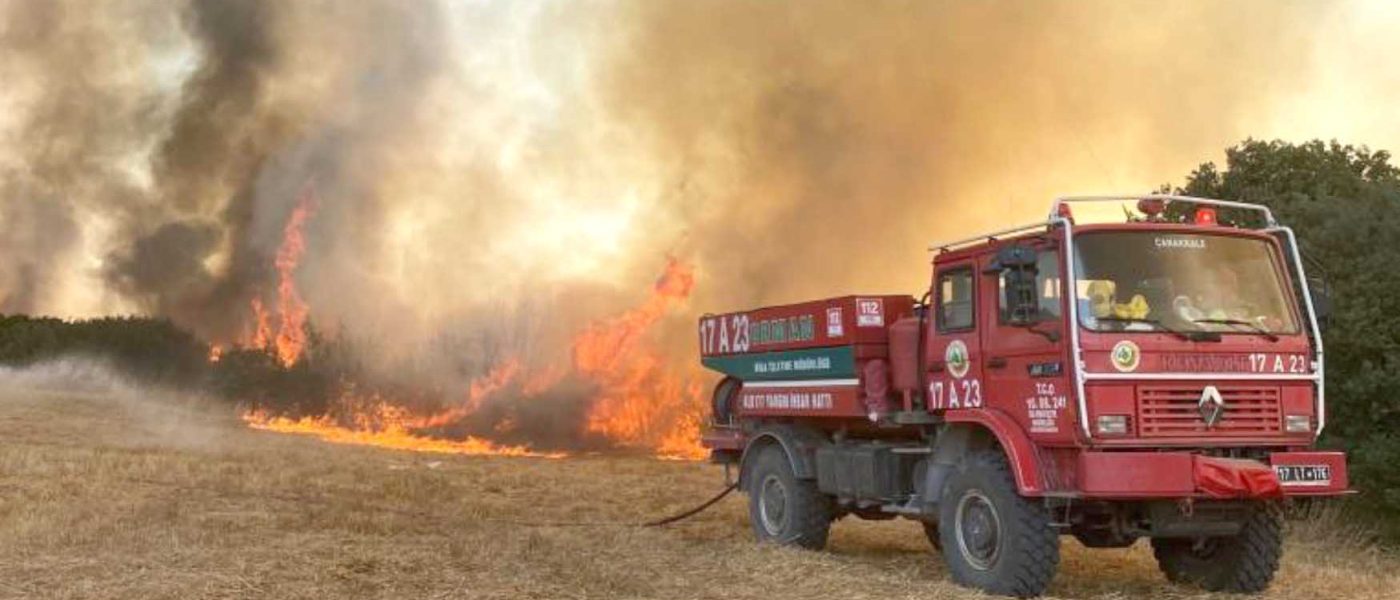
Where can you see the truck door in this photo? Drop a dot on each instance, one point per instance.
(954, 350)
(1024, 355)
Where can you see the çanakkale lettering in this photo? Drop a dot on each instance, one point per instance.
(1193, 243)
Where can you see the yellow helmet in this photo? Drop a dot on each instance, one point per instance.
(1101, 298)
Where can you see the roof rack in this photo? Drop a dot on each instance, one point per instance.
(1167, 198)
(1056, 218)
(993, 236)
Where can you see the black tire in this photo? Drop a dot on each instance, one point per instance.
(994, 539)
(931, 532)
(1242, 564)
(783, 509)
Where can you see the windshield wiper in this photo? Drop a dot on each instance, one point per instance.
(1190, 336)
(1268, 335)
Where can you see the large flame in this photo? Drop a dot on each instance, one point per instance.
(638, 401)
(641, 402)
(291, 331)
(288, 341)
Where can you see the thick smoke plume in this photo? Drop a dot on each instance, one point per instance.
(816, 148)
(170, 142)
(491, 177)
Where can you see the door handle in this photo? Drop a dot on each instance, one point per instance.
(996, 362)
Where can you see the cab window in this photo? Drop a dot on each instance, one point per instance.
(1153, 281)
(955, 300)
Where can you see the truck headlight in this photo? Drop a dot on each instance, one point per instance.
(1297, 423)
(1113, 424)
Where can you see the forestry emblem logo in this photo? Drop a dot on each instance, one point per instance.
(955, 357)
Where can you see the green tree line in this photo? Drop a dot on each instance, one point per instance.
(156, 351)
(151, 350)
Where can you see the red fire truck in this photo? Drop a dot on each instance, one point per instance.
(1156, 377)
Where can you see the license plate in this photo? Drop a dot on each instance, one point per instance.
(1304, 474)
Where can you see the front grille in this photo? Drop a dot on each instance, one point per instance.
(1173, 411)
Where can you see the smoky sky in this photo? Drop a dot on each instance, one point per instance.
(490, 176)
(818, 147)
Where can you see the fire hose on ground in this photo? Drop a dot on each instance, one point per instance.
(694, 511)
(681, 516)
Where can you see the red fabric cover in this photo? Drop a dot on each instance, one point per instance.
(1236, 478)
(904, 354)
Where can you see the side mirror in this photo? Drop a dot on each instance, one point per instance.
(1017, 266)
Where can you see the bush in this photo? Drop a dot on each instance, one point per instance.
(150, 350)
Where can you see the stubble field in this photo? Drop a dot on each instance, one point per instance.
(114, 492)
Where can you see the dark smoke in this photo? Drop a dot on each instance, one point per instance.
(188, 153)
(221, 133)
(242, 143)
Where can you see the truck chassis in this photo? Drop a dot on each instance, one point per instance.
(972, 412)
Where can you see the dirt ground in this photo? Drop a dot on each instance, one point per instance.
(117, 493)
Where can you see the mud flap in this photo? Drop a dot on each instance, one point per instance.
(798, 443)
(948, 451)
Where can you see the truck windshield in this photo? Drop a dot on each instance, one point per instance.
(1156, 281)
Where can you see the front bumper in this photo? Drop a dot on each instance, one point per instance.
(1123, 475)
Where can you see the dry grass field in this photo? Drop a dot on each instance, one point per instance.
(110, 492)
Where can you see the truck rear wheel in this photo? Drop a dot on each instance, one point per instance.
(1243, 563)
(993, 539)
(784, 509)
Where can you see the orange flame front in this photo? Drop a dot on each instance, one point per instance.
(477, 392)
(385, 426)
(641, 402)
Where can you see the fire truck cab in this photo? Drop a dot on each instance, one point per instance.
(1157, 377)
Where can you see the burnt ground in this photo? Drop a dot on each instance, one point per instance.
(115, 492)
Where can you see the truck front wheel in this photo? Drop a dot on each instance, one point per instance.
(993, 539)
(1243, 563)
(784, 509)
